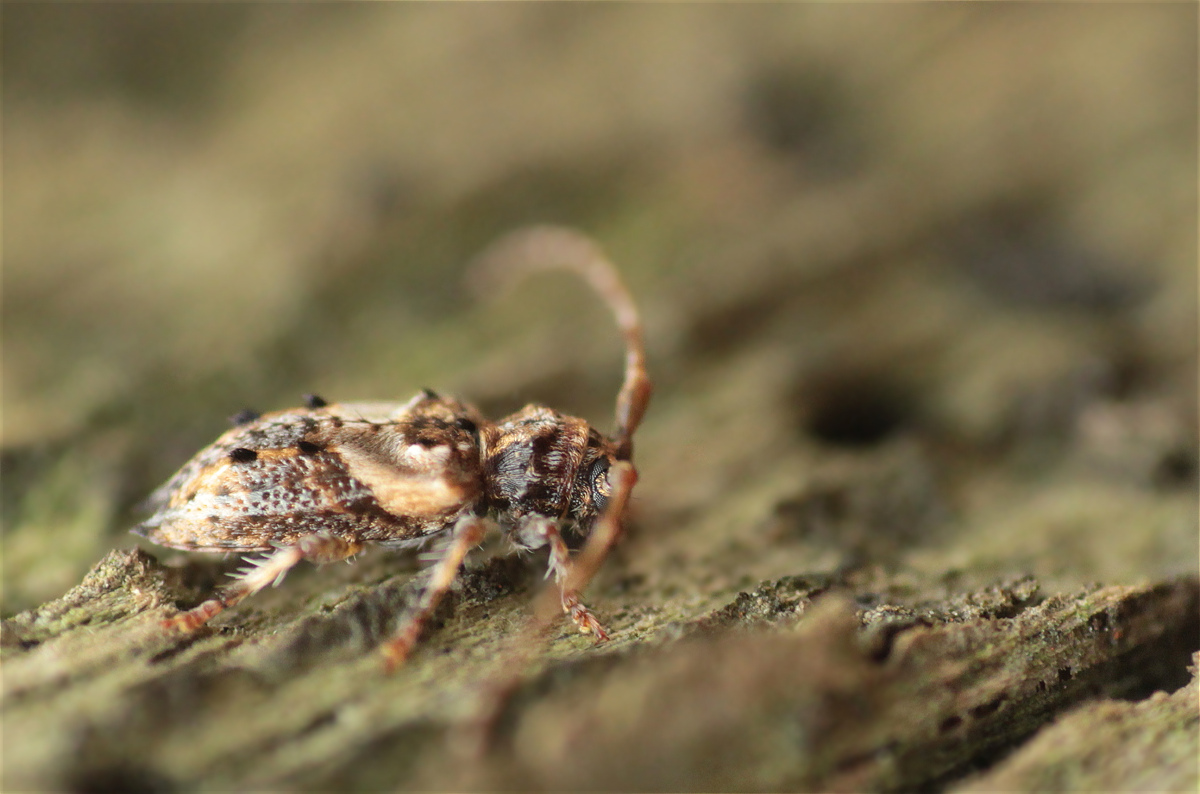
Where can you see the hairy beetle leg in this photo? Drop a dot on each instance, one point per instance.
(270, 570)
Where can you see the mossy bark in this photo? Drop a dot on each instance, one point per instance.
(918, 500)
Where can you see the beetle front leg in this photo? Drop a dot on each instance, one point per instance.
(538, 532)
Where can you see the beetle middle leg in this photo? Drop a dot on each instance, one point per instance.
(467, 534)
(270, 570)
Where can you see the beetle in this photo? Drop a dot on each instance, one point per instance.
(323, 482)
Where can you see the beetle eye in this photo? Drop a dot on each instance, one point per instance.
(601, 489)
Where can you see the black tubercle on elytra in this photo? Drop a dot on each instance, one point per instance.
(242, 455)
(313, 401)
(244, 417)
(308, 448)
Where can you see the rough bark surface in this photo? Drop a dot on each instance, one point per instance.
(918, 498)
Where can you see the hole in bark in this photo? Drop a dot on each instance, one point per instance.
(797, 112)
(1176, 468)
(1064, 674)
(853, 410)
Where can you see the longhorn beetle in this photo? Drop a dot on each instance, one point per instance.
(320, 483)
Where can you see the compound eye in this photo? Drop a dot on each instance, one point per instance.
(601, 489)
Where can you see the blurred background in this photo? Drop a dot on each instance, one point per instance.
(919, 281)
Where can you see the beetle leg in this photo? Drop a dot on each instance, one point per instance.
(270, 570)
(468, 533)
(538, 532)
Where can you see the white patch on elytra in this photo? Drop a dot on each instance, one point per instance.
(424, 455)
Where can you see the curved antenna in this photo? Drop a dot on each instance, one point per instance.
(557, 248)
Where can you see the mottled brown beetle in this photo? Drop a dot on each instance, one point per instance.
(321, 483)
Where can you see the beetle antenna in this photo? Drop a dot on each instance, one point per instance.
(538, 248)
